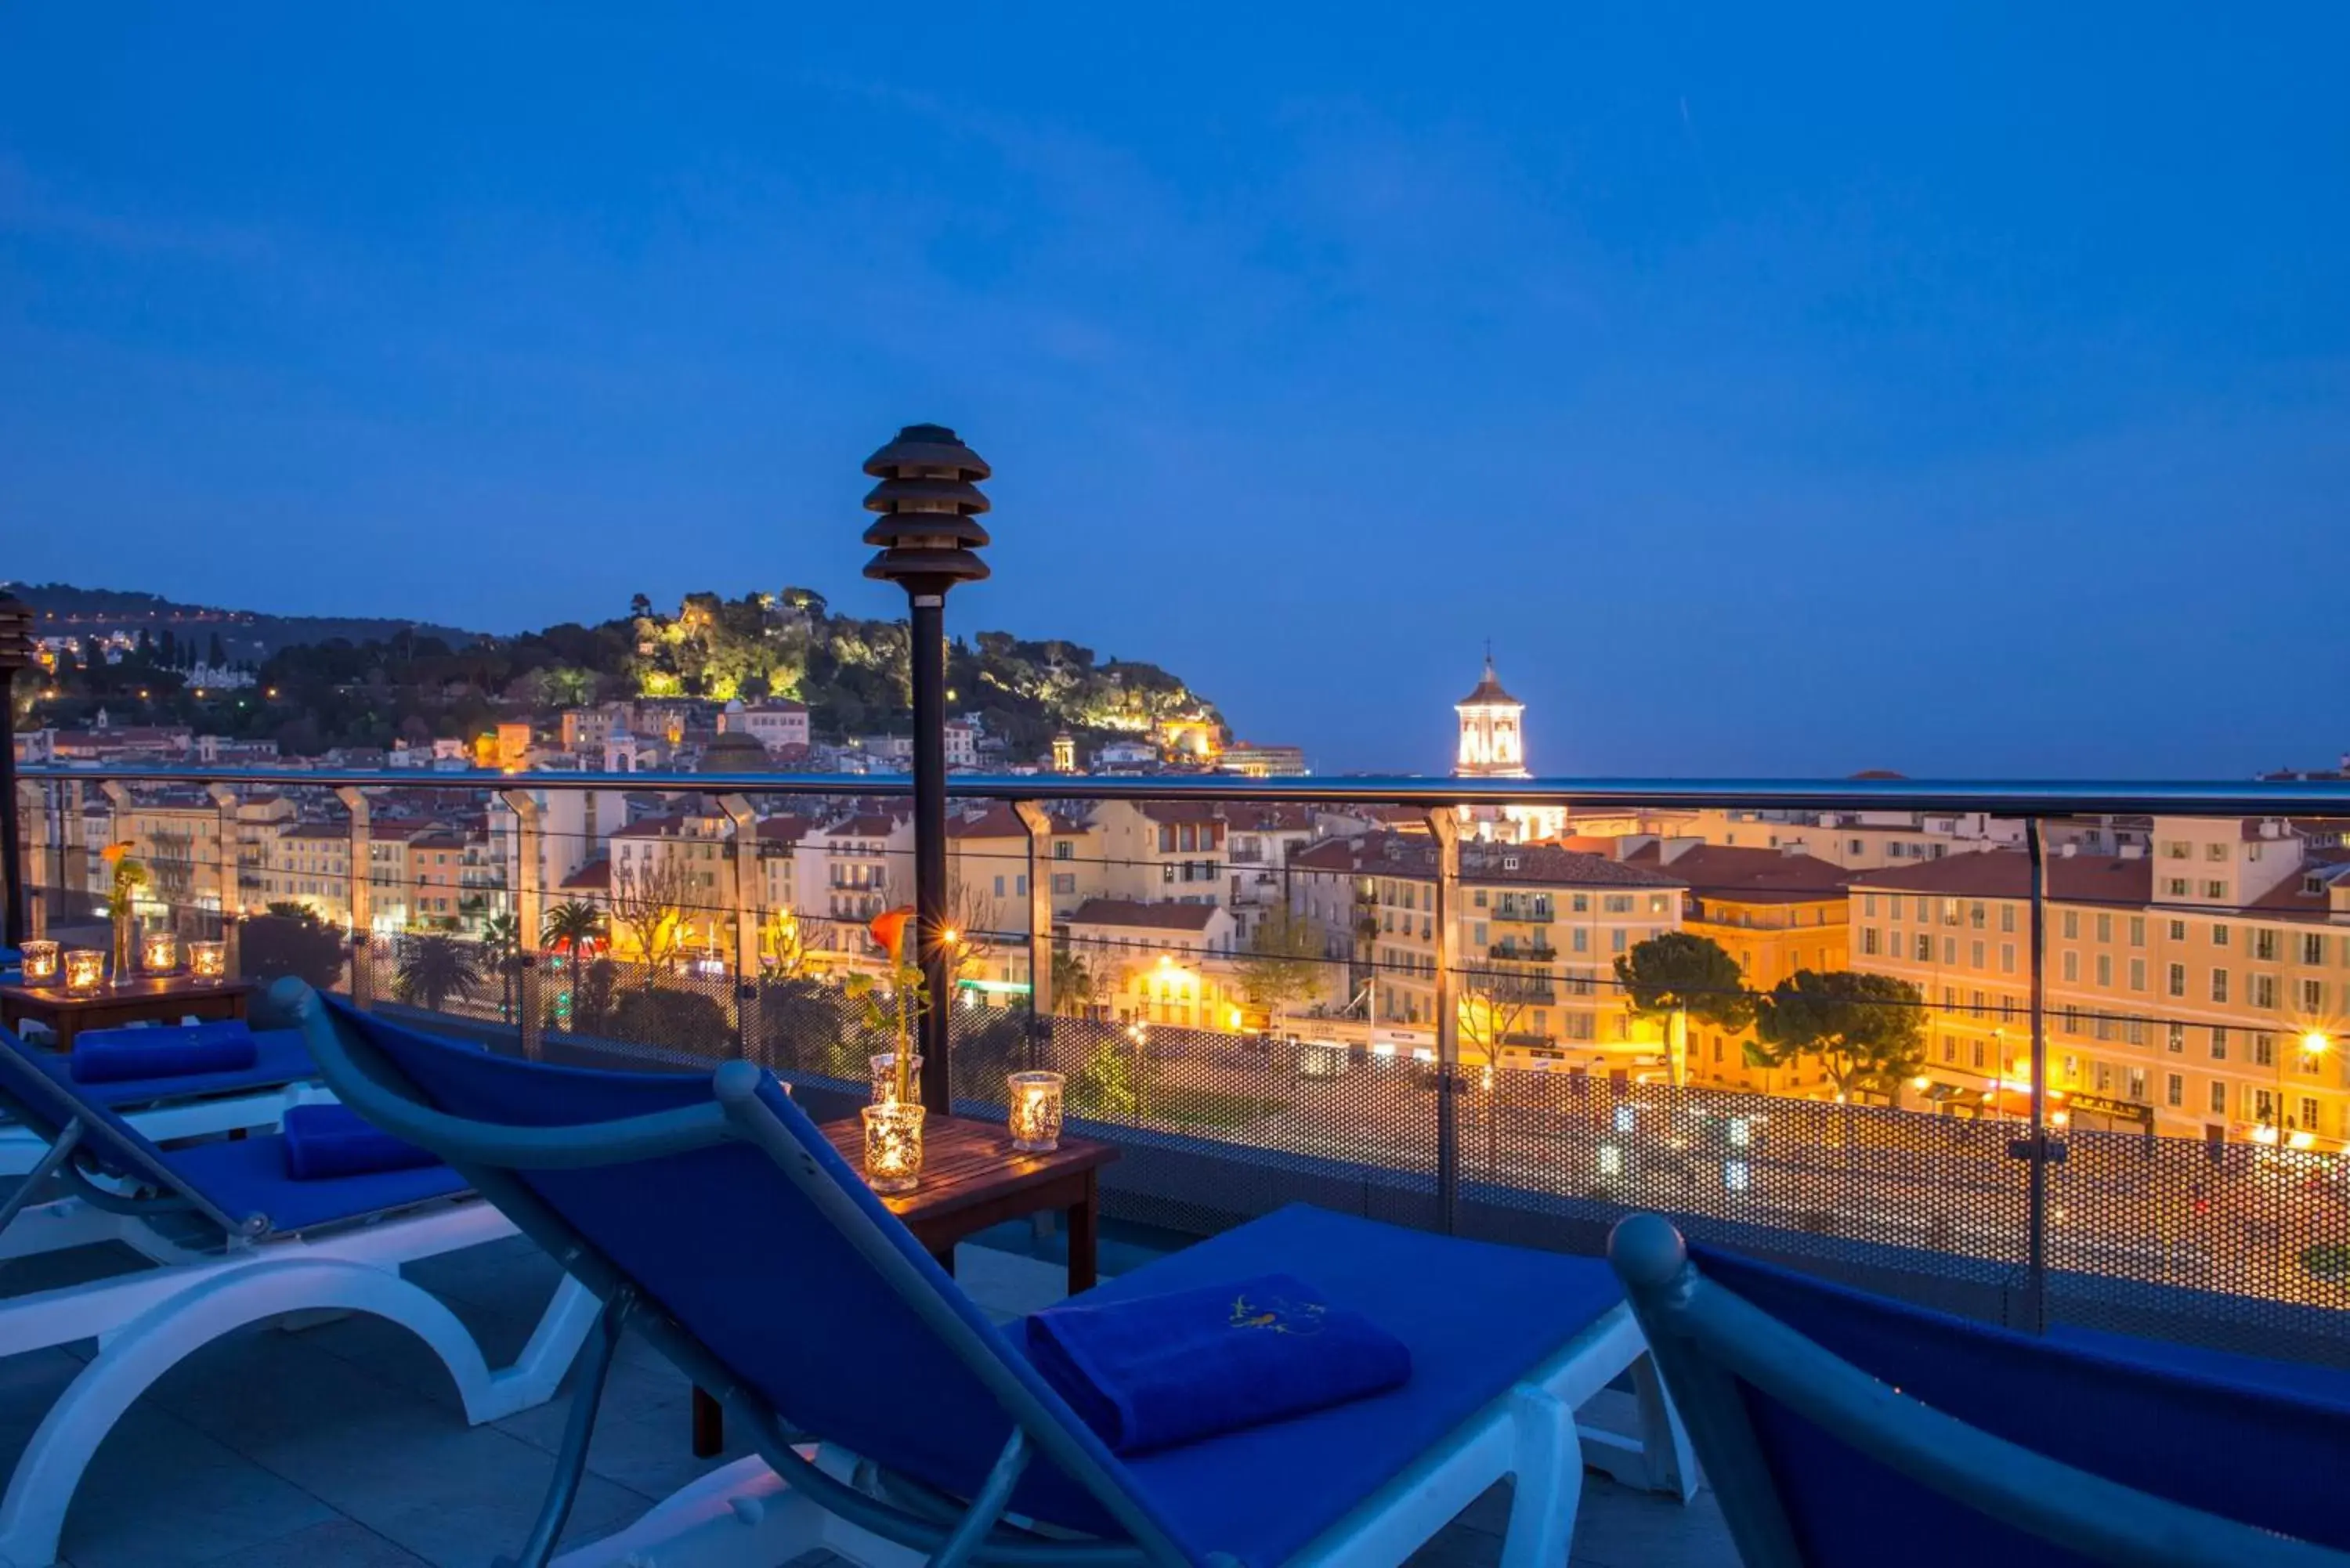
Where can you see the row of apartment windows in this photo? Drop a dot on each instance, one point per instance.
(1874, 943)
(1972, 912)
(2266, 941)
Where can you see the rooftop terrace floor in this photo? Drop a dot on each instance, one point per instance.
(341, 1444)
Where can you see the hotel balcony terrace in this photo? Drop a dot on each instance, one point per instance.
(2082, 1130)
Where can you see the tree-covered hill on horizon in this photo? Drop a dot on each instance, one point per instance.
(416, 683)
(67, 610)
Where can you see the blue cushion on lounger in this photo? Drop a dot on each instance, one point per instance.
(1477, 1319)
(116, 1056)
(1155, 1371)
(246, 1176)
(280, 1057)
(323, 1142)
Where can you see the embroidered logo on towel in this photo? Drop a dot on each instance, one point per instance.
(1277, 1313)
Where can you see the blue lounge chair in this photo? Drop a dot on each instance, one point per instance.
(235, 1242)
(164, 1110)
(1839, 1427)
(712, 1217)
(189, 1105)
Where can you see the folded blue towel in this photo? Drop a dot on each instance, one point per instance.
(323, 1142)
(173, 1051)
(1154, 1371)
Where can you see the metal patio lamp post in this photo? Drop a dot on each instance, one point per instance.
(929, 501)
(16, 653)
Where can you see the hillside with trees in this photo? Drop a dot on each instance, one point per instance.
(61, 609)
(413, 684)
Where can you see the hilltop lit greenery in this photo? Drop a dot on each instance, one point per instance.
(853, 676)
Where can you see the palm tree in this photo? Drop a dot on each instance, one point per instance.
(502, 935)
(573, 928)
(502, 932)
(435, 968)
(1074, 985)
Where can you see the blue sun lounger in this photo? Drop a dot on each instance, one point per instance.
(893, 1421)
(236, 1240)
(1838, 1427)
(186, 1105)
(164, 1110)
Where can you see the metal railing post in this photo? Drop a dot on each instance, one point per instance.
(33, 800)
(73, 870)
(230, 834)
(744, 823)
(528, 845)
(528, 870)
(2036, 1243)
(117, 800)
(1446, 827)
(1039, 823)
(358, 886)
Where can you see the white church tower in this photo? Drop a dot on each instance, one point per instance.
(1492, 731)
(1493, 746)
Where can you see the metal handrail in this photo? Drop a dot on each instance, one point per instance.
(2033, 802)
(2008, 798)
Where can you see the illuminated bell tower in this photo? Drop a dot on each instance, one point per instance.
(1492, 731)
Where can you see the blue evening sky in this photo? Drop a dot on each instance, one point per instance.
(1958, 389)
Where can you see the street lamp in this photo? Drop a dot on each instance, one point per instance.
(930, 503)
(16, 653)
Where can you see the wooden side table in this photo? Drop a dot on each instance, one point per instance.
(165, 1000)
(971, 1178)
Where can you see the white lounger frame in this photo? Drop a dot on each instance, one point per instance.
(743, 1515)
(147, 1322)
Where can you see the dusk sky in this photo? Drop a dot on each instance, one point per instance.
(1958, 389)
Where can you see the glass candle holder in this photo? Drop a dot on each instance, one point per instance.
(1036, 1113)
(158, 953)
(208, 961)
(41, 959)
(885, 1077)
(893, 1147)
(84, 969)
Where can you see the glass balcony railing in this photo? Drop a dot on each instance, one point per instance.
(2072, 1093)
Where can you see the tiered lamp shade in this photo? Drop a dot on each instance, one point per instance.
(930, 504)
(16, 631)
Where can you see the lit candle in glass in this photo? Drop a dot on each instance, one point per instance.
(1035, 1111)
(208, 961)
(158, 953)
(893, 1147)
(40, 963)
(85, 969)
(885, 1077)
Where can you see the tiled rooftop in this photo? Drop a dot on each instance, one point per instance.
(340, 1445)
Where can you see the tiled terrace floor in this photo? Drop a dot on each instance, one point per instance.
(340, 1446)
